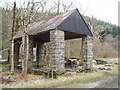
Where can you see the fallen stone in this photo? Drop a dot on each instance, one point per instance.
(108, 64)
(108, 69)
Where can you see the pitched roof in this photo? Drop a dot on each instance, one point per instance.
(70, 21)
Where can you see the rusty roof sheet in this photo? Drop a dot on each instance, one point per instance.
(45, 25)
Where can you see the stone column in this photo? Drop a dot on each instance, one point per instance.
(29, 56)
(16, 53)
(57, 50)
(87, 52)
(40, 54)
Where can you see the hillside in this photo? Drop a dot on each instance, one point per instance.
(105, 34)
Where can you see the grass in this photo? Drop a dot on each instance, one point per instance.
(79, 77)
(110, 59)
(113, 67)
(82, 77)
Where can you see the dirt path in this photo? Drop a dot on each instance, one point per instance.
(110, 82)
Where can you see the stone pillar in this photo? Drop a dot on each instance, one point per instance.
(29, 56)
(87, 52)
(57, 50)
(16, 53)
(40, 54)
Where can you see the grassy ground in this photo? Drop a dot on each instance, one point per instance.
(114, 60)
(63, 80)
(81, 77)
(67, 80)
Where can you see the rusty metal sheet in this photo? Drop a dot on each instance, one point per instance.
(45, 25)
(19, 35)
(71, 21)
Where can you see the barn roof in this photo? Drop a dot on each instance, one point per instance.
(71, 22)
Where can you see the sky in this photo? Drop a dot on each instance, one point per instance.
(105, 10)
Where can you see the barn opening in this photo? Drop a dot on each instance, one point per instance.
(54, 31)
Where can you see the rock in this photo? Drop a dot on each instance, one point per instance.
(108, 69)
(99, 69)
(108, 64)
(69, 73)
(101, 61)
(94, 62)
(116, 63)
(103, 68)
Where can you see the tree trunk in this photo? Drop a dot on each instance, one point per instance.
(12, 56)
(12, 41)
(24, 61)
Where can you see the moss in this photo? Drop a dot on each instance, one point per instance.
(60, 73)
(79, 67)
(80, 61)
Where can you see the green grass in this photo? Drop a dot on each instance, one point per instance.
(79, 77)
(84, 77)
(3, 60)
(110, 59)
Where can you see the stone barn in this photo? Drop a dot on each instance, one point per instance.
(56, 30)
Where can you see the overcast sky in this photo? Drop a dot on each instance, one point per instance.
(106, 10)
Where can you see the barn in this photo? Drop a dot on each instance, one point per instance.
(56, 30)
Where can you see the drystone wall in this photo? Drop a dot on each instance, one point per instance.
(16, 54)
(87, 52)
(40, 54)
(57, 50)
(29, 56)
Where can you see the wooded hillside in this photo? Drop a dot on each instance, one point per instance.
(105, 34)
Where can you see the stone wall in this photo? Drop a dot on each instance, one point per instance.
(16, 53)
(40, 54)
(87, 52)
(29, 56)
(57, 50)
(5, 54)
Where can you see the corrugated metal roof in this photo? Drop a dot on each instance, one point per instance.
(70, 21)
(44, 25)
